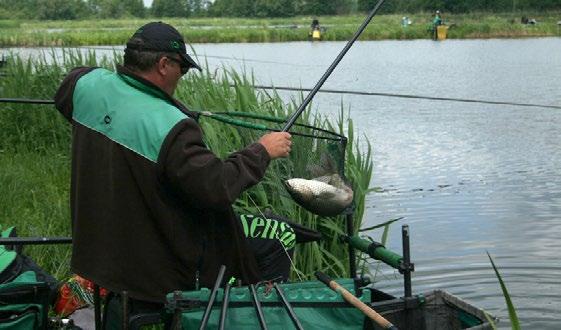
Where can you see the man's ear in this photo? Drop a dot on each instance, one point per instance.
(162, 66)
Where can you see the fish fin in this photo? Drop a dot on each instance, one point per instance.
(327, 194)
(335, 180)
(324, 179)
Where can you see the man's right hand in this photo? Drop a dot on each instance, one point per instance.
(277, 144)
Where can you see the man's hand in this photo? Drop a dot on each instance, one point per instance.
(277, 144)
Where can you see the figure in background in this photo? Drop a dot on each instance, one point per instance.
(315, 30)
(436, 22)
(405, 21)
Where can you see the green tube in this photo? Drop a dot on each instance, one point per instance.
(253, 115)
(236, 122)
(376, 251)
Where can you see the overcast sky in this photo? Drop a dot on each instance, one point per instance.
(147, 3)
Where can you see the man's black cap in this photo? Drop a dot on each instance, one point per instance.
(161, 37)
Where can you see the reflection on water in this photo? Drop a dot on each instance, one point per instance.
(468, 178)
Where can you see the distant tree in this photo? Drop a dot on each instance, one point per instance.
(170, 8)
(366, 5)
(275, 8)
(242, 8)
(199, 7)
(20, 8)
(107, 8)
(233, 8)
(61, 9)
(135, 7)
(325, 7)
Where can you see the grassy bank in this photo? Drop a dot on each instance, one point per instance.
(35, 159)
(216, 30)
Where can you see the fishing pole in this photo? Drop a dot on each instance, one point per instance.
(258, 308)
(336, 91)
(327, 73)
(288, 307)
(212, 297)
(351, 299)
(224, 310)
(229, 58)
(34, 240)
(25, 101)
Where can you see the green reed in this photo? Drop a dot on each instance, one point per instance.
(514, 321)
(217, 95)
(35, 156)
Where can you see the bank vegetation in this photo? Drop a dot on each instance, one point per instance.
(23, 33)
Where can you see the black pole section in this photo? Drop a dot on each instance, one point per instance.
(35, 240)
(406, 261)
(258, 308)
(125, 308)
(26, 101)
(224, 310)
(352, 255)
(212, 297)
(288, 307)
(327, 73)
(97, 308)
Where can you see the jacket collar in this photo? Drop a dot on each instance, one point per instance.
(148, 87)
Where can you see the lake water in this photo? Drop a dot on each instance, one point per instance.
(467, 178)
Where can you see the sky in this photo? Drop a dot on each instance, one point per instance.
(147, 3)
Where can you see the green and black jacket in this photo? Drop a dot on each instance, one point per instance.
(150, 203)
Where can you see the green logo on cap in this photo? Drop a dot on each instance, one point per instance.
(175, 45)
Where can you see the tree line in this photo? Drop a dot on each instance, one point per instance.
(80, 9)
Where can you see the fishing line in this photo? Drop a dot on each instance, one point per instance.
(278, 239)
(209, 56)
(409, 96)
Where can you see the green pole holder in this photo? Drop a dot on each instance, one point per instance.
(376, 251)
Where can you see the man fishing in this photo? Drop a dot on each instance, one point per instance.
(151, 206)
(436, 22)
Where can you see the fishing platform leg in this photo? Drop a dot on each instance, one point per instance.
(358, 282)
(97, 307)
(406, 267)
(352, 255)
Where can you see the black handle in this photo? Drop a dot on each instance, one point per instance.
(323, 278)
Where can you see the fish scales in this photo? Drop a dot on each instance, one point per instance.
(326, 195)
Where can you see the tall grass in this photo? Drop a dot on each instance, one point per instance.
(35, 143)
(215, 30)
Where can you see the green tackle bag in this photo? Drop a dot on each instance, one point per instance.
(24, 303)
(25, 289)
(315, 305)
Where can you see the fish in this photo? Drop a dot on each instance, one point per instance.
(327, 195)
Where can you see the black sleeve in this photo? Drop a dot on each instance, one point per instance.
(65, 92)
(201, 178)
